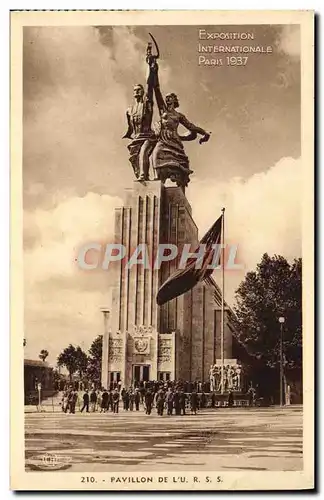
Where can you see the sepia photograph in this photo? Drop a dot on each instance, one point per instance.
(162, 211)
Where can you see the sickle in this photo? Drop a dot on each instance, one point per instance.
(156, 46)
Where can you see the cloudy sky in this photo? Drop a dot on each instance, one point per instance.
(77, 85)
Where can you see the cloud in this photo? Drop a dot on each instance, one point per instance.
(289, 40)
(75, 88)
(262, 214)
(57, 316)
(62, 303)
(58, 233)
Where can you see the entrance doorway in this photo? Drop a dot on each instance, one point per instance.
(164, 376)
(141, 373)
(114, 377)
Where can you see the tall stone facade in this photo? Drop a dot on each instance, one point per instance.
(143, 341)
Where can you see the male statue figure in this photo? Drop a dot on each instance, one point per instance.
(139, 118)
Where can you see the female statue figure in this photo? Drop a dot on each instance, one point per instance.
(230, 376)
(238, 375)
(169, 158)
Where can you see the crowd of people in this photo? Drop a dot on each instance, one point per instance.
(169, 397)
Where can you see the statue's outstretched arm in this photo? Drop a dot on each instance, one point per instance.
(194, 129)
(129, 132)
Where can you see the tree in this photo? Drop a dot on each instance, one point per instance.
(43, 354)
(82, 361)
(273, 290)
(58, 380)
(74, 359)
(68, 358)
(95, 360)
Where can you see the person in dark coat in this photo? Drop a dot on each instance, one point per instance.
(230, 399)
(203, 400)
(137, 399)
(122, 393)
(160, 399)
(104, 401)
(126, 400)
(131, 400)
(176, 402)
(182, 402)
(194, 402)
(109, 401)
(148, 401)
(93, 400)
(74, 399)
(169, 400)
(213, 400)
(85, 401)
(115, 397)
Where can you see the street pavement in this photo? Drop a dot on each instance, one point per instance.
(227, 439)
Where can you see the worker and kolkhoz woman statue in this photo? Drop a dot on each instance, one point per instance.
(162, 147)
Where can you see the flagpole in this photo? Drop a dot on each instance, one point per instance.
(222, 310)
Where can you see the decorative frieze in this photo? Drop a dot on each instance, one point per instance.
(143, 330)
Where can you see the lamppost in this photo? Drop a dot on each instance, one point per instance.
(281, 321)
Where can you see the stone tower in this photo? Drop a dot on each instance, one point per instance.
(143, 341)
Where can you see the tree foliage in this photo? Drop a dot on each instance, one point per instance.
(74, 359)
(273, 290)
(95, 360)
(43, 354)
(82, 361)
(77, 361)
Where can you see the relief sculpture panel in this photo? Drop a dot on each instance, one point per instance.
(115, 350)
(165, 350)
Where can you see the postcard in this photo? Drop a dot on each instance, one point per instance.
(162, 250)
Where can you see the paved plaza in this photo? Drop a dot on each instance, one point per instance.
(215, 439)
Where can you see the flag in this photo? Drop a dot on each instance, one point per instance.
(183, 280)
